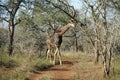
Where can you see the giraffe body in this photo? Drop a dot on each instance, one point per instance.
(55, 41)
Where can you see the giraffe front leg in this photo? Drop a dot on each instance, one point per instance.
(55, 56)
(59, 56)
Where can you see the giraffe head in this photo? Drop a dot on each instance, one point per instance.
(71, 23)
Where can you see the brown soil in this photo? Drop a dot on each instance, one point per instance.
(57, 72)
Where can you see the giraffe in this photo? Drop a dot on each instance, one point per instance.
(55, 41)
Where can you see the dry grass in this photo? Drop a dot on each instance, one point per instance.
(20, 66)
(85, 69)
(47, 77)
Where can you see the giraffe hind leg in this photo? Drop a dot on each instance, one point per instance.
(49, 55)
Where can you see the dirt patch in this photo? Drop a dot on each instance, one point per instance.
(57, 72)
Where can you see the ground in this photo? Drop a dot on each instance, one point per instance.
(75, 67)
(57, 72)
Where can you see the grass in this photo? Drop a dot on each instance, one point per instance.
(14, 75)
(20, 66)
(85, 69)
(47, 77)
(116, 74)
(5, 61)
(75, 55)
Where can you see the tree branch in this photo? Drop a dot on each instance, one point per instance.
(4, 19)
(70, 15)
(6, 8)
(14, 10)
(17, 22)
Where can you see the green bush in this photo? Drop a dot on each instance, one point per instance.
(43, 64)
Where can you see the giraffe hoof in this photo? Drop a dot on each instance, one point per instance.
(60, 63)
(53, 62)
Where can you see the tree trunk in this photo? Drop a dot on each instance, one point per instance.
(112, 60)
(96, 58)
(11, 37)
(104, 60)
(76, 44)
(109, 57)
(96, 55)
(105, 69)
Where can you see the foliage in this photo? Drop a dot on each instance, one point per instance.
(114, 4)
(41, 65)
(3, 37)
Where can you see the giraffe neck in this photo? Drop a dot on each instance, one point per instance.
(63, 29)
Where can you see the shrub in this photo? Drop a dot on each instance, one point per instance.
(43, 64)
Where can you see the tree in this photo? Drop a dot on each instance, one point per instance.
(101, 37)
(10, 9)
